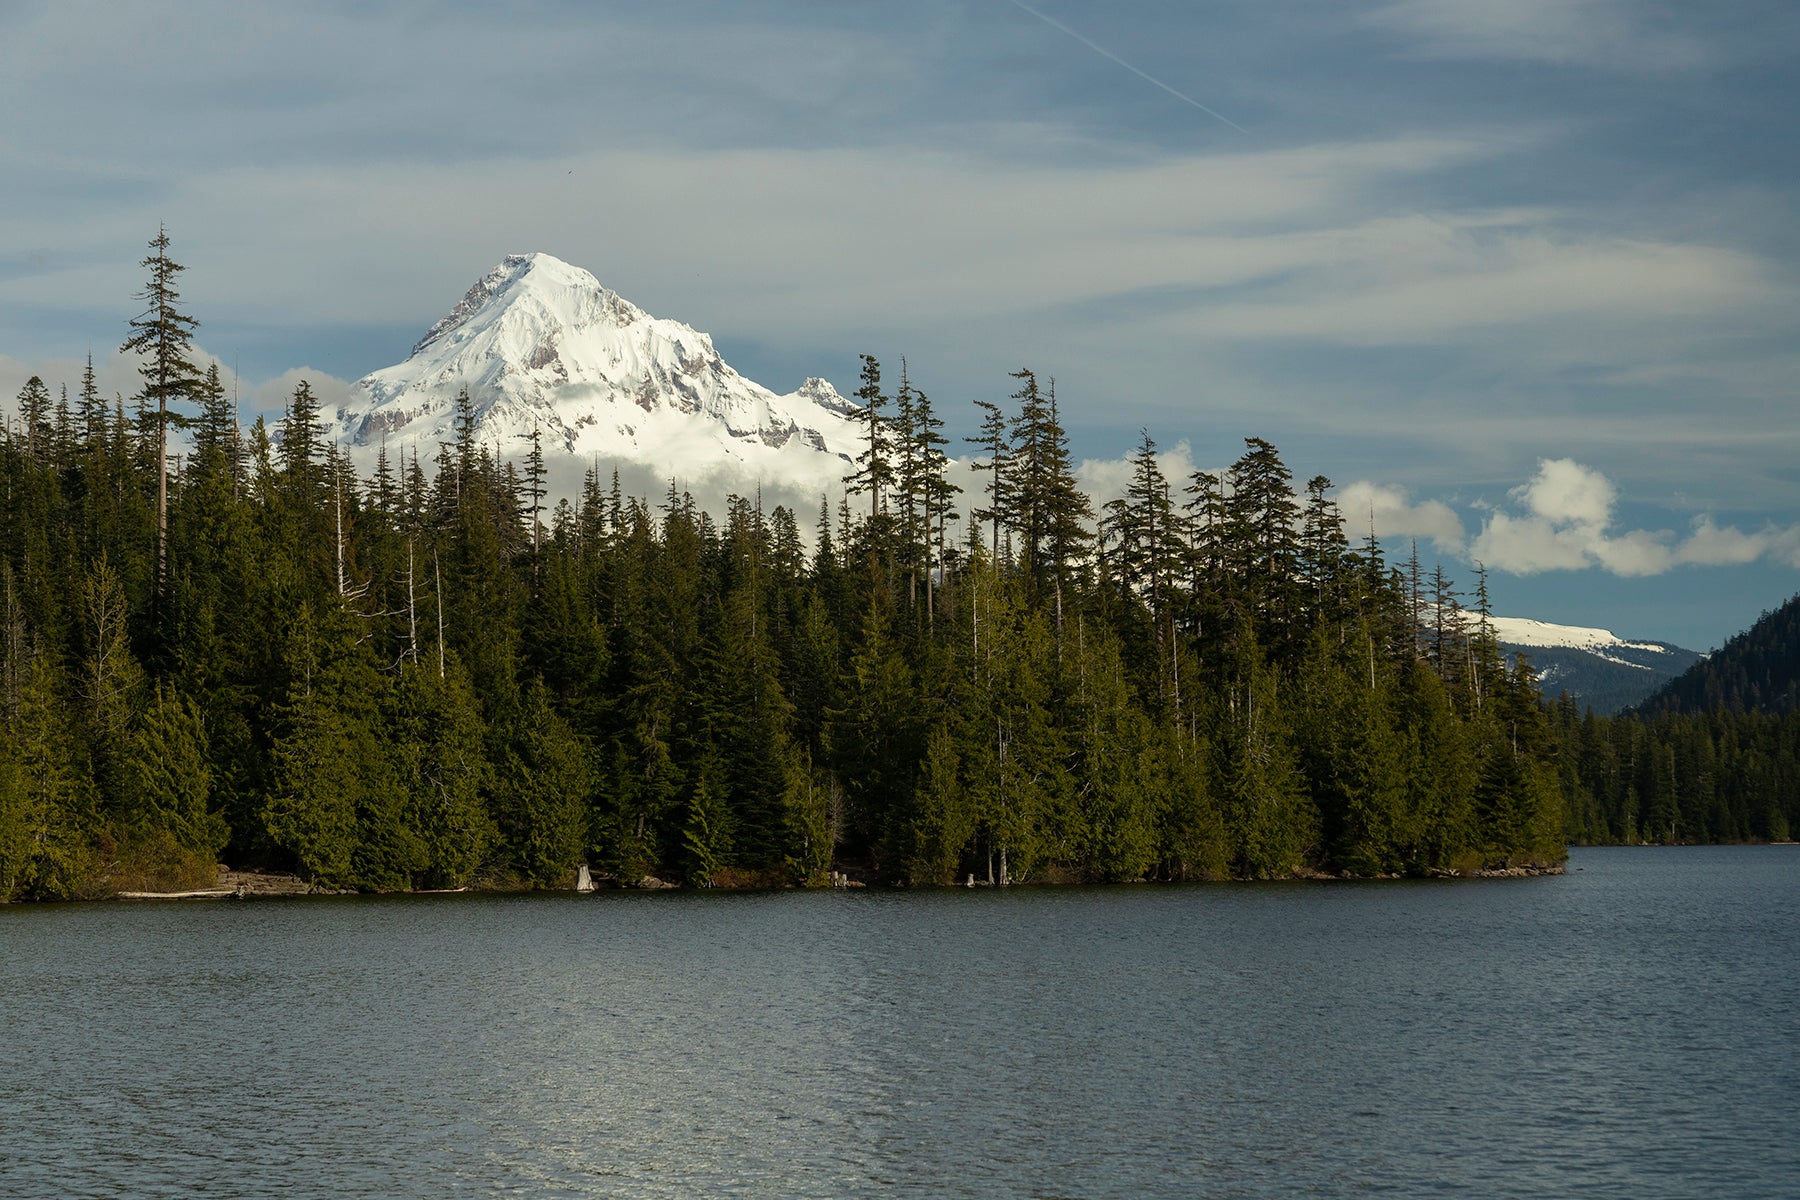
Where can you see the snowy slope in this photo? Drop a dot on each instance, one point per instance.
(1596, 666)
(540, 344)
(1521, 631)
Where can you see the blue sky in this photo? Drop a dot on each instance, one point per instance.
(1519, 276)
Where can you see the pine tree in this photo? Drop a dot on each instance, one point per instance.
(923, 487)
(215, 432)
(47, 817)
(1050, 511)
(994, 441)
(301, 436)
(1261, 517)
(170, 785)
(440, 750)
(91, 410)
(543, 788)
(874, 472)
(34, 412)
(1068, 514)
(1323, 549)
(874, 736)
(1271, 820)
(112, 683)
(163, 335)
(331, 803)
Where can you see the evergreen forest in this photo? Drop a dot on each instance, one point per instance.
(1712, 757)
(217, 642)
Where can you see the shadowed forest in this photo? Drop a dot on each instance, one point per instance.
(219, 642)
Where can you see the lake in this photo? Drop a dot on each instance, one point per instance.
(1630, 1029)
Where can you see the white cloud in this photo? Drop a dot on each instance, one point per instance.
(1394, 515)
(1568, 526)
(1565, 492)
(1105, 479)
(272, 396)
(1528, 545)
(116, 375)
(113, 374)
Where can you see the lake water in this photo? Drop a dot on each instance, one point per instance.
(1631, 1029)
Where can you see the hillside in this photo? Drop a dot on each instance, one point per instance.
(1756, 671)
(1599, 669)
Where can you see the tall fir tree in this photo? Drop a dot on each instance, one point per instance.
(163, 336)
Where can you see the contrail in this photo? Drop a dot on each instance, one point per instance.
(1144, 75)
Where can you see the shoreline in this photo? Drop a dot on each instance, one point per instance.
(249, 885)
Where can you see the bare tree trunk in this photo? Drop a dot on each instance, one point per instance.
(438, 575)
(162, 493)
(337, 494)
(412, 615)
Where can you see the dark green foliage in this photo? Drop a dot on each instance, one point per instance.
(543, 793)
(415, 682)
(1729, 775)
(1758, 670)
(169, 778)
(874, 472)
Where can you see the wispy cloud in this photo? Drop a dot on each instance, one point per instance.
(759, 241)
(1607, 34)
(1432, 278)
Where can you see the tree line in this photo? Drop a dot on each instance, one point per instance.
(433, 676)
(1712, 757)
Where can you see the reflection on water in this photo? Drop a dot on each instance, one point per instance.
(1629, 1029)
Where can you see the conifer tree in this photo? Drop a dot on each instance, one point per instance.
(544, 786)
(34, 412)
(47, 811)
(215, 431)
(440, 752)
(1261, 516)
(332, 796)
(1050, 510)
(994, 441)
(91, 410)
(301, 438)
(874, 472)
(170, 785)
(1323, 548)
(112, 682)
(163, 335)
(873, 737)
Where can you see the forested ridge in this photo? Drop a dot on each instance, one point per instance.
(1712, 757)
(434, 677)
(1756, 671)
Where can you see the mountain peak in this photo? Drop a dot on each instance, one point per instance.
(542, 347)
(542, 281)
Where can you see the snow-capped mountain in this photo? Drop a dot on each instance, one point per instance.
(542, 345)
(1601, 670)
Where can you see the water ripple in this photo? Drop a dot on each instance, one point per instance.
(1628, 1030)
